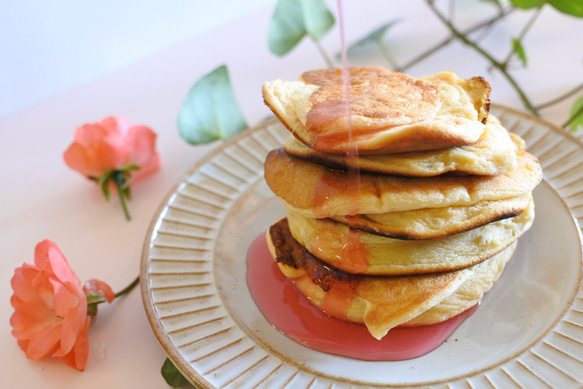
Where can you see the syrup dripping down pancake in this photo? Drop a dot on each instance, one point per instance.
(316, 191)
(493, 153)
(382, 303)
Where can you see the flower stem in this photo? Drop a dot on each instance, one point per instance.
(498, 65)
(128, 288)
(119, 179)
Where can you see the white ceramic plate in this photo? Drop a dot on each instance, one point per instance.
(527, 333)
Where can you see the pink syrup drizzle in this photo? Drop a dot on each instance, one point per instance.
(291, 313)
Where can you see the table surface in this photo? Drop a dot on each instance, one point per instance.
(43, 199)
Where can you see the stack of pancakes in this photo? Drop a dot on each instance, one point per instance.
(404, 202)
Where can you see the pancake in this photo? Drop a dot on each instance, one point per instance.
(389, 112)
(318, 192)
(493, 153)
(431, 223)
(360, 252)
(382, 303)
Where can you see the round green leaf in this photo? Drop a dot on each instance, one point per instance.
(527, 4)
(318, 19)
(569, 7)
(292, 20)
(376, 35)
(210, 111)
(171, 374)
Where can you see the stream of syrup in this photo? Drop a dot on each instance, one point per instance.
(291, 313)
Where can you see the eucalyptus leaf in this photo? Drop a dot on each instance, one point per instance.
(210, 111)
(518, 49)
(292, 20)
(576, 120)
(171, 374)
(376, 36)
(528, 4)
(569, 7)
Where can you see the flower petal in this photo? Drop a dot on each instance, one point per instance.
(21, 283)
(141, 140)
(149, 168)
(76, 158)
(89, 133)
(101, 288)
(44, 343)
(77, 357)
(29, 319)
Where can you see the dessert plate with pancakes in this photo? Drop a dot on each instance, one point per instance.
(528, 329)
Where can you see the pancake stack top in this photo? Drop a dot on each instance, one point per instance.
(403, 203)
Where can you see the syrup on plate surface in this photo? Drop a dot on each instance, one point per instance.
(292, 314)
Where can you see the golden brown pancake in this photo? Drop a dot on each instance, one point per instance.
(431, 223)
(360, 252)
(389, 112)
(316, 191)
(382, 303)
(493, 153)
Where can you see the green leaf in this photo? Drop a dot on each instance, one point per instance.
(292, 20)
(375, 36)
(569, 7)
(576, 119)
(518, 49)
(210, 110)
(528, 4)
(171, 374)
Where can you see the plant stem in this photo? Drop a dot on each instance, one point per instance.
(447, 41)
(128, 288)
(522, 35)
(385, 52)
(329, 62)
(122, 198)
(561, 98)
(485, 54)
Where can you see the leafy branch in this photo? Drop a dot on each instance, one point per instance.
(502, 67)
(485, 24)
(517, 48)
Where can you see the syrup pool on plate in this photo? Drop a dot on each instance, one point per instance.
(292, 314)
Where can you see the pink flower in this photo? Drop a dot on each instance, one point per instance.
(113, 151)
(112, 144)
(50, 317)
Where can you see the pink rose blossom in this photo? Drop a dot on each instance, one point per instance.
(113, 151)
(112, 144)
(50, 317)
